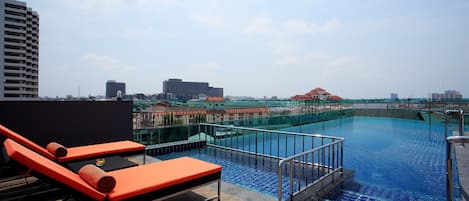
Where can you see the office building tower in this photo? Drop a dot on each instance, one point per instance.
(190, 90)
(115, 89)
(19, 56)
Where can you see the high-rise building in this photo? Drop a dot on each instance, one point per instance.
(190, 90)
(394, 96)
(113, 88)
(19, 51)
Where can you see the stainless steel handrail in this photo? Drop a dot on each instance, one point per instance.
(328, 153)
(449, 162)
(309, 151)
(458, 139)
(331, 169)
(225, 140)
(449, 147)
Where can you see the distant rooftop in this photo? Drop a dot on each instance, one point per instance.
(317, 94)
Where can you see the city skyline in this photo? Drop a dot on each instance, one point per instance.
(255, 48)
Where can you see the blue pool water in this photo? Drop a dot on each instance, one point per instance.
(393, 159)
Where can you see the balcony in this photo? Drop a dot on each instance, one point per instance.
(15, 64)
(18, 44)
(18, 10)
(15, 30)
(15, 24)
(16, 58)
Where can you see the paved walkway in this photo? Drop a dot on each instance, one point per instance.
(229, 192)
(462, 157)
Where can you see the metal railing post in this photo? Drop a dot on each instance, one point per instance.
(278, 145)
(205, 133)
(188, 132)
(294, 145)
(286, 145)
(279, 193)
(256, 143)
(449, 173)
(159, 136)
(198, 131)
(342, 157)
(461, 122)
(446, 124)
(291, 179)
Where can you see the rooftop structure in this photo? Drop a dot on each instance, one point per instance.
(19, 51)
(317, 94)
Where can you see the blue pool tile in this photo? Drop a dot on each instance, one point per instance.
(393, 159)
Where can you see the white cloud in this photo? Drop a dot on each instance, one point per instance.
(141, 33)
(326, 67)
(284, 48)
(207, 66)
(106, 63)
(331, 24)
(115, 8)
(301, 58)
(345, 61)
(299, 27)
(317, 57)
(343, 66)
(261, 25)
(209, 21)
(264, 25)
(102, 7)
(289, 60)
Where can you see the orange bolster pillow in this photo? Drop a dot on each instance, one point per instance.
(56, 149)
(97, 178)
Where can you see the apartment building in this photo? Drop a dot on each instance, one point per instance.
(19, 56)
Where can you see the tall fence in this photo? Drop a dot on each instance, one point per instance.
(167, 134)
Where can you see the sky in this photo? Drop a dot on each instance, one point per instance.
(354, 49)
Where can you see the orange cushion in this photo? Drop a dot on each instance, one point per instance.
(143, 179)
(97, 178)
(25, 142)
(50, 169)
(57, 149)
(95, 150)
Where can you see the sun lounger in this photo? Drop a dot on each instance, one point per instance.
(77, 153)
(152, 181)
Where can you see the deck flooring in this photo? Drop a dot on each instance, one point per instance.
(462, 158)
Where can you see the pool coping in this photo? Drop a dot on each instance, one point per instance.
(229, 192)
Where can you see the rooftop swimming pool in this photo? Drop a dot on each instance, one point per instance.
(393, 159)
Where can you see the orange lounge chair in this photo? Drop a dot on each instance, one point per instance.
(156, 180)
(77, 153)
